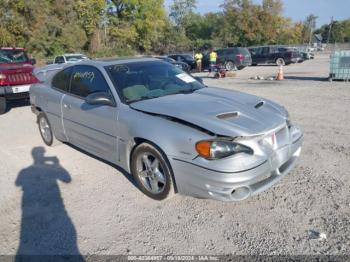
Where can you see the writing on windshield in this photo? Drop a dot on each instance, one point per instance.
(150, 79)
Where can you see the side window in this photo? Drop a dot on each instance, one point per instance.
(265, 50)
(62, 79)
(258, 51)
(87, 80)
(59, 60)
(220, 52)
(273, 50)
(253, 51)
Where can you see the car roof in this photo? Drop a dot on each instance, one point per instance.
(115, 61)
(72, 54)
(259, 46)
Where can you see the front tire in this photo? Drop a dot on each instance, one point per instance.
(152, 172)
(3, 105)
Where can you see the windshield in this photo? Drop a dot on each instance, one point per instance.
(72, 58)
(151, 79)
(13, 56)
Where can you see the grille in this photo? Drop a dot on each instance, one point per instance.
(20, 77)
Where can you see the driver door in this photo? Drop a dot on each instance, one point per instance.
(92, 128)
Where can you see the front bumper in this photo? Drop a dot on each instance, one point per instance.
(199, 181)
(15, 92)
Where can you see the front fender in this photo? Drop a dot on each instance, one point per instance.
(173, 138)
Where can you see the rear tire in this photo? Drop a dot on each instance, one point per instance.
(46, 130)
(3, 105)
(280, 62)
(152, 172)
(229, 66)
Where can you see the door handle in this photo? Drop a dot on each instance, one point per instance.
(66, 106)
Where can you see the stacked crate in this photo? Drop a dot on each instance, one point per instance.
(340, 66)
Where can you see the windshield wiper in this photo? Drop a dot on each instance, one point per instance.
(188, 91)
(142, 98)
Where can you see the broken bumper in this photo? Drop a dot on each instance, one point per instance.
(202, 182)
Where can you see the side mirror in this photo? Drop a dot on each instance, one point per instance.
(100, 98)
(32, 61)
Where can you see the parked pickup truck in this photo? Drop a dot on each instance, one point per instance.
(69, 58)
(16, 75)
(278, 55)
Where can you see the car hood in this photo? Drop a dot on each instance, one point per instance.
(220, 111)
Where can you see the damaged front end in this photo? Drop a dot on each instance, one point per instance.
(248, 146)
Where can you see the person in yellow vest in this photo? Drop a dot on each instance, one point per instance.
(212, 58)
(198, 57)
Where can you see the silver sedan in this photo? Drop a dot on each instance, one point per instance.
(167, 129)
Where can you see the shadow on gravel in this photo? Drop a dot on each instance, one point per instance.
(128, 176)
(306, 78)
(17, 103)
(46, 228)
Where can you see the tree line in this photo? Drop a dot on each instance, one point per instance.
(125, 27)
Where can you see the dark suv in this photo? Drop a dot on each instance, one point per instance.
(231, 58)
(184, 58)
(278, 55)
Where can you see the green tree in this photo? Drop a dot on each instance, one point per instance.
(137, 22)
(90, 15)
(181, 10)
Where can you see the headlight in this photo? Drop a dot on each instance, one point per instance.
(220, 149)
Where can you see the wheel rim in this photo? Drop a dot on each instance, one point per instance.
(151, 173)
(280, 61)
(229, 66)
(45, 129)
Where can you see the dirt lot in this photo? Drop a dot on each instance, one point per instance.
(94, 209)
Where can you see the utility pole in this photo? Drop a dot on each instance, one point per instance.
(329, 30)
(311, 27)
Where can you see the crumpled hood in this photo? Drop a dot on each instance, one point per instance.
(221, 111)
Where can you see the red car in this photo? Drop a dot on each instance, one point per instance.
(16, 75)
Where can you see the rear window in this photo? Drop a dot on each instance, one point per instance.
(13, 56)
(61, 80)
(188, 57)
(73, 58)
(243, 51)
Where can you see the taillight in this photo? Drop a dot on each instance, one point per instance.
(240, 57)
(3, 79)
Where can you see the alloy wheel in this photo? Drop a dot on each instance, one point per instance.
(151, 173)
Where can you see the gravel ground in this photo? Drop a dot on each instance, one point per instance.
(73, 203)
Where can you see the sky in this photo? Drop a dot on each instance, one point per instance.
(298, 10)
